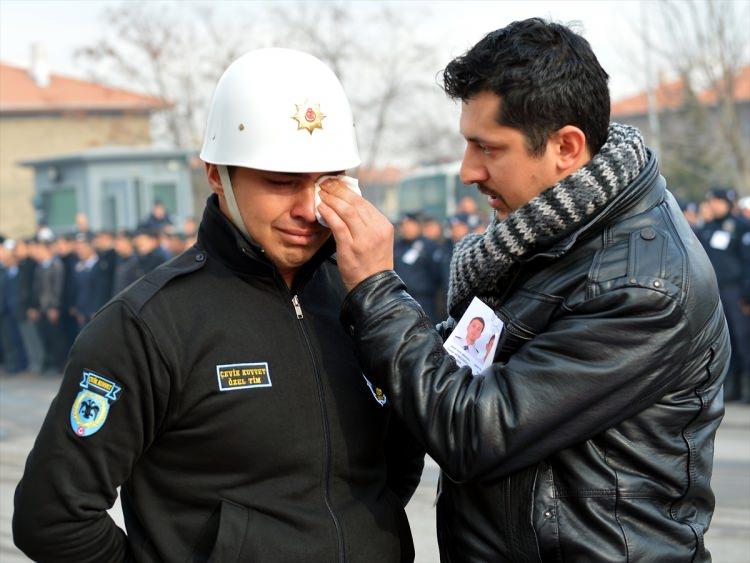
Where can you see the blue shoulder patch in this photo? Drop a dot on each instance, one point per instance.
(91, 406)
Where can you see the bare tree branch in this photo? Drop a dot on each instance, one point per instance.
(704, 44)
(151, 47)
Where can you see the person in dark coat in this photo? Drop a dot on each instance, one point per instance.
(2, 269)
(150, 254)
(218, 393)
(26, 253)
(91, 281)
(66, 251)
(459, 227)
(726, 239)
(158, 218)
(415, 262)
(590, 436)
(48, 287)
(126, 267)
(11, 314)
(104, 244)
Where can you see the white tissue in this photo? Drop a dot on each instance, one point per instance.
(350, 183)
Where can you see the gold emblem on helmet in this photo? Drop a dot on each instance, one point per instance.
(308, 116)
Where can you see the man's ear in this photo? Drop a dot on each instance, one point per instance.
(569, 144)
(214, 180)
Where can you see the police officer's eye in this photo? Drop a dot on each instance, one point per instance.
(278, 182)
(485, 149)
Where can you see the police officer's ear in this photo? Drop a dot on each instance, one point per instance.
(214, 180)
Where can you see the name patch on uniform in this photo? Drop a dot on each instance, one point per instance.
(243, 376)
(91, 406)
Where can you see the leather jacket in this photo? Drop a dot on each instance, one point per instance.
(590, 438)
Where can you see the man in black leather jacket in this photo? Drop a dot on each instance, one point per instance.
(590, 438)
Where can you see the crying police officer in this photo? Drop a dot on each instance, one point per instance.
(218, 391)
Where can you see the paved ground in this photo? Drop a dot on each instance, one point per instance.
(24, 400)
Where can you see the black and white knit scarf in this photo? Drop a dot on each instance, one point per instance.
(481, 263)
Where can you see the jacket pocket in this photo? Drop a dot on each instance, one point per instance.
(544, 514)
(223, 536)
(402, 526)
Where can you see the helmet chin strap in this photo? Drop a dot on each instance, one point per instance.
(234, 210)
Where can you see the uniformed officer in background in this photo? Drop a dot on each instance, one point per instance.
(726, 239)
(418, 261)
(220, 391)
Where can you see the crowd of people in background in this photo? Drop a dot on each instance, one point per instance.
(50, 286)
(423, 251)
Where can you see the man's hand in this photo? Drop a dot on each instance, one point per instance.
(364, 236)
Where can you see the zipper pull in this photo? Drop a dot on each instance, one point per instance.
(297, 308)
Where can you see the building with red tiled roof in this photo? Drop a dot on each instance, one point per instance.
(695, 149)
(671, 96)
(43, 114)
(20, 94)
(741, 88)
(666, 96)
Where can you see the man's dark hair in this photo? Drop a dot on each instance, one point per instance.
(86, 237)
(546, 75)
(722, 192)
(150, 232)
(126, 233)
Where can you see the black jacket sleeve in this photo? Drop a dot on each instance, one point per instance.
(70, 480)
(601, 363)
(405, 459)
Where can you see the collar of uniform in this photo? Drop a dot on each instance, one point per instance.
(221, 239)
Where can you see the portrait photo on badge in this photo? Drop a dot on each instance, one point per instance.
(474, 340)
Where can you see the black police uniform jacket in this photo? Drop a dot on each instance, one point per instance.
(731, 260)
(237, 423)
(590, 438)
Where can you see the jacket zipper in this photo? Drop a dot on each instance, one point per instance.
(326, 430)
(297, 308)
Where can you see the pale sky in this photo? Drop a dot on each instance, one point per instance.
(62, 26)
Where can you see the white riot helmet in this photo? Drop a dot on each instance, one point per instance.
(279, 110)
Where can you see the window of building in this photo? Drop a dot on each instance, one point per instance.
(166, 192)
(59, 207)
(113, 203)
(423, 193)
